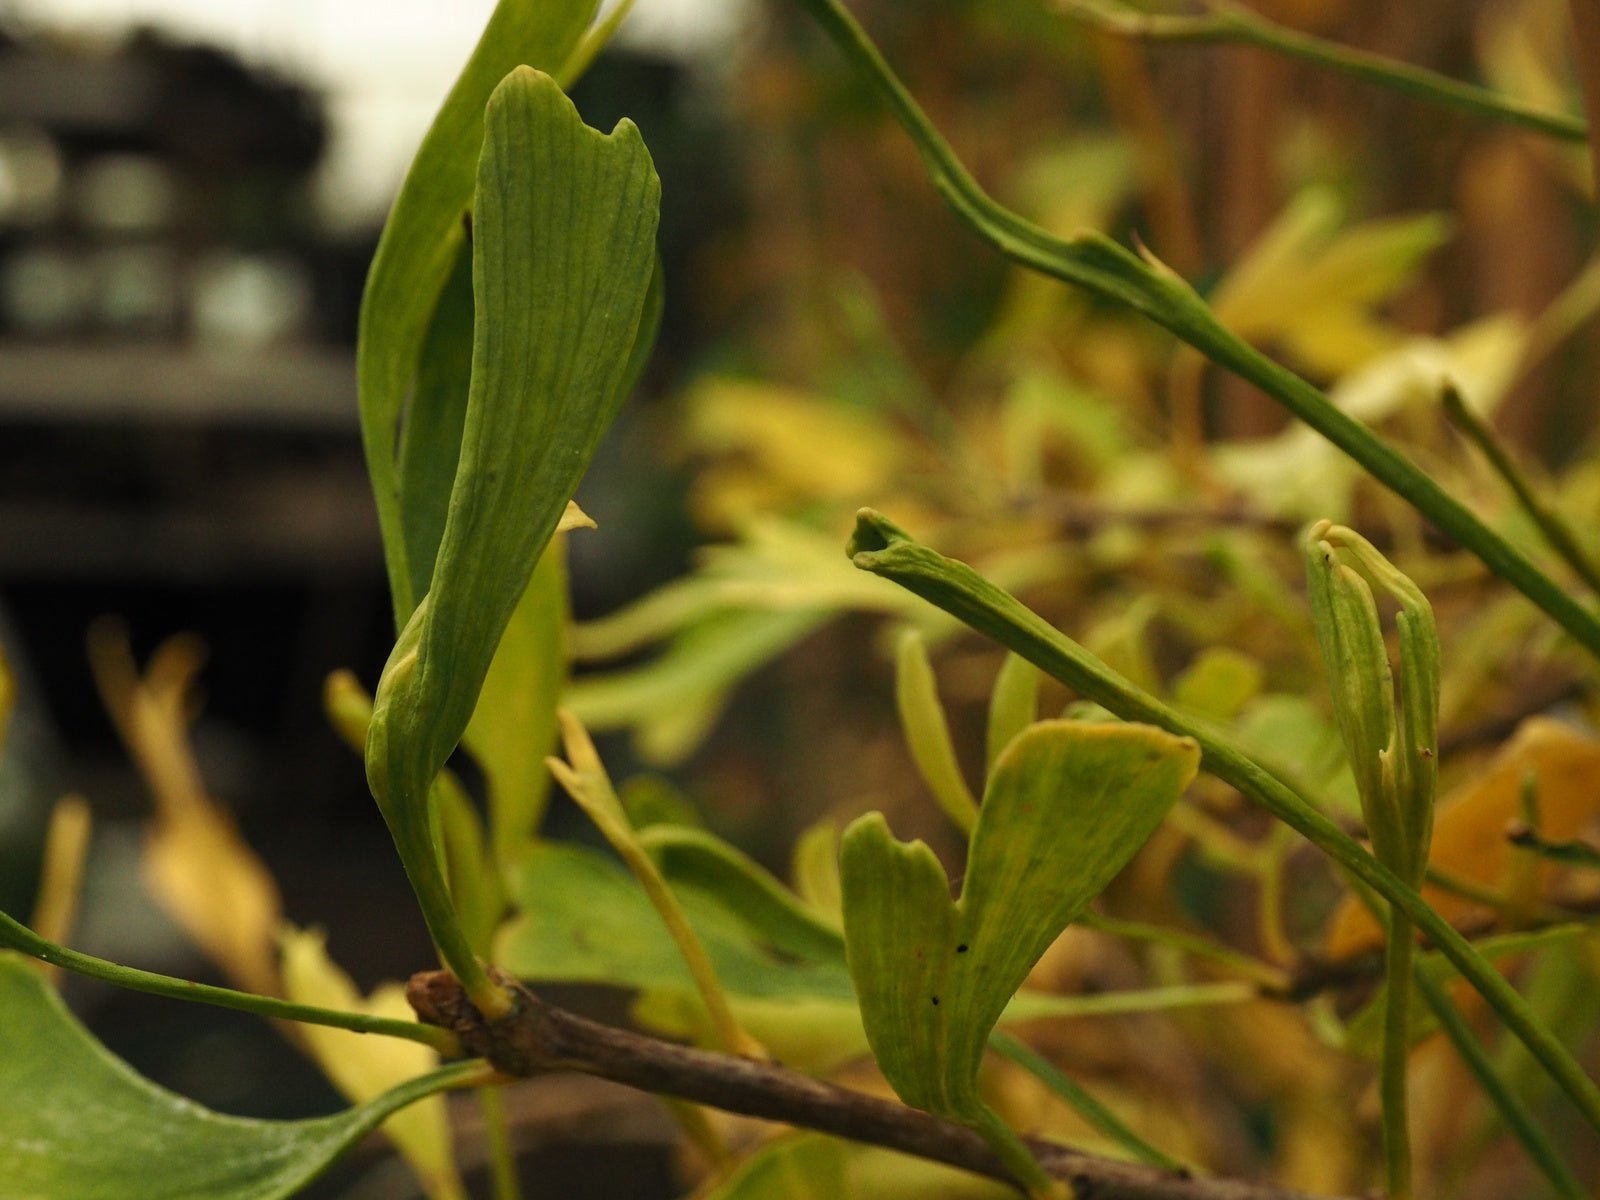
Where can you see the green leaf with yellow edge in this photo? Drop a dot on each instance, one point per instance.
(563, 253)
(1068, 804)
(422, 241)
(61, 1092)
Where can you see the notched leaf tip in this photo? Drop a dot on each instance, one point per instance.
(873, 534)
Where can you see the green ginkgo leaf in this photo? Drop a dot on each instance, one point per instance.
(1068, 804)
(61, 1092)
(422, 240)
(563, 253)
(584, 919)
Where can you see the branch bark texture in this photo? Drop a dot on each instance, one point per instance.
(536, 1037)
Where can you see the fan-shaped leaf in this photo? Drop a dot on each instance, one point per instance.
(62, 1093)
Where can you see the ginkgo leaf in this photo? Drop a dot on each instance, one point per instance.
(422, 240)
(363, 1067)
(1315, 288)
(1218, 683)
(815, 871)
(1298, 472)
(779, 449)
(78, 1123)
(1068, 804)
(197, 866)
(563, 250)
(927, 732)
(582, 918)
(1013, 705)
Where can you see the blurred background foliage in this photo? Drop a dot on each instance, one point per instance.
(181, 452)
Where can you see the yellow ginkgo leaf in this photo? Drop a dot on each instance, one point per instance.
(1299, 473)
(784, 448)
(66, 848)
(197, 866)
(1469, 832)
(362, 1066)
(1315, 289)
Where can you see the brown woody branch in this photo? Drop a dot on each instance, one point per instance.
(537, 1037)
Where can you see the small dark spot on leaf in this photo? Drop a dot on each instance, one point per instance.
(961, 949)
(936, 1002)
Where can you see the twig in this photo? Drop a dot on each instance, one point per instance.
(536, 1037)
(1228, 22)
(1563, 540)
(1081, 517)
(1317, 975)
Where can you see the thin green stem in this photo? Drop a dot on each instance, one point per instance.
(1501, 904)
(502, 1158)
(878, 546)
(585, 779)
(1018, 1157)
(593, 42)
(1109, 270)
(1268, 976)
(16, 936)
(1524, 1127)
(1044, 1005)
(1073, 1095)
(1563, 540)
(1396, 1055)
(1236, 23)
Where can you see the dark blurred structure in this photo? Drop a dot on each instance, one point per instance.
(177, 397)
(179, 447)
